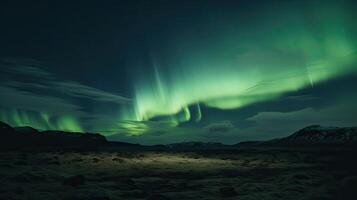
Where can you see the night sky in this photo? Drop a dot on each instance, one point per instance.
(155, 72)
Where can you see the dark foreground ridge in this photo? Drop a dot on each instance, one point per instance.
(71, 166)
(314, 135)
(30, 138)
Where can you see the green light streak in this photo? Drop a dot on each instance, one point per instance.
(199, 113)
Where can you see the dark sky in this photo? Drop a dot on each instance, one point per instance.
(170, 71)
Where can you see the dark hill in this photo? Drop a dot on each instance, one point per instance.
(30, 138)
(5, 128)
(319, 135)
(196, 145)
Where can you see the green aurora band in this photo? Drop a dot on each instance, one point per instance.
(229, 65)
(235, 72)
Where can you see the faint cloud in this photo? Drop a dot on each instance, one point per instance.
(223, 126)
(26, 87)
(24, 67)
(76, 89)
(302, 97)
(14, 98)
(45, 80)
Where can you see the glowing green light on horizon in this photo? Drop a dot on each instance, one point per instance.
(41, 121)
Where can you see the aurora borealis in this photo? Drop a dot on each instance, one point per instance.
(164, 72)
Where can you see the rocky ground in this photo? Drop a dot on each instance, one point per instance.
(240, 174)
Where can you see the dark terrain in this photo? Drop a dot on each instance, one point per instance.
(309, 164)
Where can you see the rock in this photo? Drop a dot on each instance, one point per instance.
(300, 177)
(158, 197)
(30, 177)
(54, 163)
(74, 181)
(347, 190)
(20, 162)
(319, 198)
(127, 181)
(100, 198)
(88, 197)
(118, 160)
(227, 192)
(135, 194)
